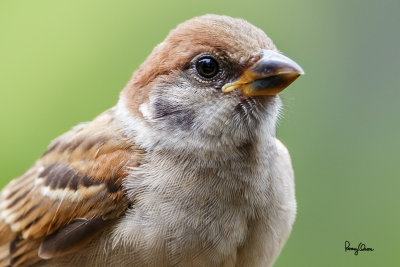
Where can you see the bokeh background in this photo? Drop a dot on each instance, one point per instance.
(63, 62)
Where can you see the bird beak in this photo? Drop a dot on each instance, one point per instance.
(272, 73)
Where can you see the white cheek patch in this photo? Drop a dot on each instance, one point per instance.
(145, 110)
(133, 126)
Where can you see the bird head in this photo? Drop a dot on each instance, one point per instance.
(213, 81)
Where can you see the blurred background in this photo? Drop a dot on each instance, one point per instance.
(63, 62)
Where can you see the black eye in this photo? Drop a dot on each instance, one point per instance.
(207, 67)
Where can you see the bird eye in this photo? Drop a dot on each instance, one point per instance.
(207, 67)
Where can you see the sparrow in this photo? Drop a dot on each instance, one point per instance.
(185, 170)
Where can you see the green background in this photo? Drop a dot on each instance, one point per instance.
(63, 62)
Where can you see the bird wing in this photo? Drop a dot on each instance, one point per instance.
(71, 193)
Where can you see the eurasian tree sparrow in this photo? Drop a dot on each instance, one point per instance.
(184, 171)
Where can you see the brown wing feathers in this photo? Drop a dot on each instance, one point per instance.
(75, 235)
(77, 184)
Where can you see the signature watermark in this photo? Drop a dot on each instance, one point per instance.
(361, 247)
